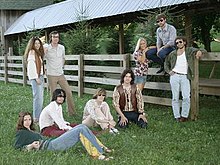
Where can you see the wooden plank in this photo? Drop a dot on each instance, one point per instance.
(1, 57)
(211, 56)
(102, 57)
(158, 86)
(92, 91)
(99, 80)
(20, 81)
(71, 67)
(11, 65)
(15, 73)
(106, 69)
(71, 57)
(2, 65)
(71, 78)
(15, 58)
(209, 82)
(157, 100)
(209, 90)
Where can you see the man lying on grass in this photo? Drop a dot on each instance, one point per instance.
(27, 139)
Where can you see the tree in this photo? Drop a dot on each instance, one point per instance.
(205, 27)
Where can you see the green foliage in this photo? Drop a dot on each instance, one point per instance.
(165, 142)
(19, 47)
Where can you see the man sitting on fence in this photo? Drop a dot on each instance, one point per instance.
(128, 101)
(179, 65)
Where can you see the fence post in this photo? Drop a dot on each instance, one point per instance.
(126, 60)
(195, 92)
(24, 71)
(6, 67)
(80, 75)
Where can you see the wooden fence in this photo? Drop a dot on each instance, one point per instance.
(87, 72)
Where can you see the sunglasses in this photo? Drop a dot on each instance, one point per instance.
(179, 42)
(161, 20)
(55, 36)
(101, 95)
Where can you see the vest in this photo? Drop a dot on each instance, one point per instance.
(122, 100)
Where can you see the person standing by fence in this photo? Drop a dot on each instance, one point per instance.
(166, 35)
(55, 57)
(34, 55)
(179, 65)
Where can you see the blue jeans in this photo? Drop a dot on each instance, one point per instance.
(140, 79)
(71, 137)
(38, 96)
(180, 82)
(152, 54)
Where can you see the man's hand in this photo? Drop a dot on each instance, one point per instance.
(142, 117)
(38, 81)
(123, 121)
(198, 54)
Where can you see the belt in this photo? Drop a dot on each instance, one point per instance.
(179, 73)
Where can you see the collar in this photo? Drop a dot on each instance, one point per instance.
(165, 28)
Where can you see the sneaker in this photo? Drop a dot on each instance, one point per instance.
(115, 130)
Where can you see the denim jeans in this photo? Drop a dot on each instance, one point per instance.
(180, 82)
(71, 137)
(38, 96)
(152, 54)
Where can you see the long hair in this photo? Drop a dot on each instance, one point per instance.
(20, 123)
(126, 71)
(31, 46)
(57, 93)
(99, 91)
(139, 43)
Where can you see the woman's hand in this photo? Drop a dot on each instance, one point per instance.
(38, 81)
(34, 145)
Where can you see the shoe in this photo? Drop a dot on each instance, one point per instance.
(105, 158)
(144, 125)
(177, 119)
(115, 130)
(183, 119)
(161, 70)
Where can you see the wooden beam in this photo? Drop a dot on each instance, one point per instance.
(121, 39)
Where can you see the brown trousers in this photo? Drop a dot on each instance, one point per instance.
(61, 80)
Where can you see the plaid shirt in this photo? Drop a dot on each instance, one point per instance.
(140, 68)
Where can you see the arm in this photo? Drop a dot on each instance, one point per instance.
(57, 117)
(172, 36)
(116, 97)
(140, 105)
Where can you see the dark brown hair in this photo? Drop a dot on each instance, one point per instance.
(126, 71)
(181, 38)
(57, 93)
(20, 123)
(159, 16)
(52, 33)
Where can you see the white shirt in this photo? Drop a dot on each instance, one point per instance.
(53, 113)
(181, 64)
(55, 57)
(31, 66)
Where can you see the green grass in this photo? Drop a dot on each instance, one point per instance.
(165, 142)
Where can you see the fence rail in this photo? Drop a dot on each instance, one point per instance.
(96, 70)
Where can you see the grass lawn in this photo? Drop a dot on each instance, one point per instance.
(165, 142)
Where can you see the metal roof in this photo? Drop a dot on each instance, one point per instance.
(66, 12)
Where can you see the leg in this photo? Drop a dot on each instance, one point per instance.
(89, 122)
(140, 81)
(134, 118)
(185, 88)
(65, 86)
(151, 54)
(175, 86)
(71, 137)
(52, 80)
(37, 92)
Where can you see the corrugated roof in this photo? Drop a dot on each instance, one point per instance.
(23, 4)
(66, 12)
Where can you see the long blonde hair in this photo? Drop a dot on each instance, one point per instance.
(138, 43)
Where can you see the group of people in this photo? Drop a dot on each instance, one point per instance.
(171, 52)
(175, 58)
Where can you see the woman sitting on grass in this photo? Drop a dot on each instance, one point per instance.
(97, 112)
(27, 139)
